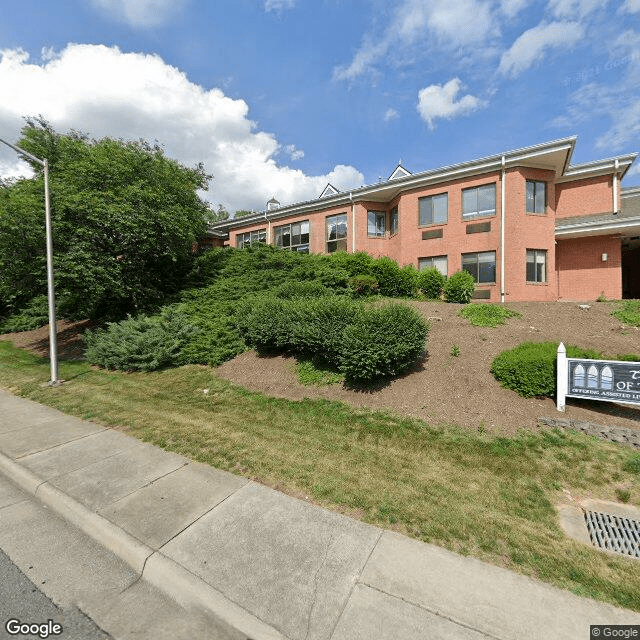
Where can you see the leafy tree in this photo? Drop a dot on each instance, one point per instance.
(219, 215)
(125, 218)
(241, 213)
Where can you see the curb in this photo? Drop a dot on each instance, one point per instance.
(162, 572)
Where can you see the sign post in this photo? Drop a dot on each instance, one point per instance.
(604, 380)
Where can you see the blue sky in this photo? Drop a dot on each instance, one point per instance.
(279, 97)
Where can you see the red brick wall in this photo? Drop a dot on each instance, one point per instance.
(584, 197)
(582, 274)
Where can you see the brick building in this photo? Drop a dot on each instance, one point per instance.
(527, 224)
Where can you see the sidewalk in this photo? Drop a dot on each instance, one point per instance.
(263, 563)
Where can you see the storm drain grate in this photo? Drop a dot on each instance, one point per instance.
(614, 533)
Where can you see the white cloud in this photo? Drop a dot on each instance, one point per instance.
(512, 8)
(574, 8)
(292, 152)
(439, 101)
(105, 92)
(631, 6)
(463, 23)
(532, 45)
(141, 13)
(391, 114)
(278, 5)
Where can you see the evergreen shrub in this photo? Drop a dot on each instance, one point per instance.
(459, 287)
(431, 282)
(301, 289)
(144, 343)
(382, 342)
(33, 315)
(363, 285)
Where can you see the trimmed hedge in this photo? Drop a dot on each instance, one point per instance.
(431, 282)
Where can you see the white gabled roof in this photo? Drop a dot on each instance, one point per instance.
(329, 190)
(399, 172)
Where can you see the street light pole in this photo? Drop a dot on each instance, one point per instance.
(53, 333)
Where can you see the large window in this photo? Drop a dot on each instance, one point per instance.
(479, 201)
(536, 196)
(433, 209)
(536, 265)
(482, 266)
(250, 238)
(294, 236)
(337, 233)
(376, 224)
(439, 262)
(393, 221)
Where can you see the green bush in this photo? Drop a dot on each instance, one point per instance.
(363, 285)
(358, 263)
(487, 315)
(632, 464)
(265, 322)
(301, 289)
(32, 316)
(459, 287)
(382, 342)
(628, 312)
(144, 343)
(431, 282)
(530, 368)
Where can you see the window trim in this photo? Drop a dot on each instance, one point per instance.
(394, 212)
(378, 214)
(479, 214)
(478, 254)
(526, 199)
(432, 258)
(293, 247)
(430, 197)
(337, 239)
(546, 266)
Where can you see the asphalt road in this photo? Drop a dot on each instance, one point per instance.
(21, 599)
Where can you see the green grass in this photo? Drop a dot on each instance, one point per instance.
(311, 372)
(628, 311)
(475, 493)
(487, 315)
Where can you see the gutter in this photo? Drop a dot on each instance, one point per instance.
(353, 223)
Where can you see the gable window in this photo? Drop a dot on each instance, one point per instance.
(376, 224)
(393, 221)
(433, 209)
(336, 233)
(479, 201)
(536, 196)
(482, 266)
(439, 262)
(536, 265)
(294, 236)
(250, 238)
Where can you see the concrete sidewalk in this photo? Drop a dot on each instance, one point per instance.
(263, 564)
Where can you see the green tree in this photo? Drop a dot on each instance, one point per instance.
(125, 218)
(241, 213)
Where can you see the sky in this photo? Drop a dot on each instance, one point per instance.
(280, 97)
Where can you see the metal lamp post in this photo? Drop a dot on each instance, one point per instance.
(53, 334)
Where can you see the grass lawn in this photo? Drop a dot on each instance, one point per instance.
(477, 494)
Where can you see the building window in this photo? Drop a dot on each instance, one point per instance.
(250, 238)
(536, 196)
(393, 221)
(439, 262)
(376, 223)
(479, 201)
(536, 265)
(337, 233)
(433, 210)
(294, 236)
(482, 266)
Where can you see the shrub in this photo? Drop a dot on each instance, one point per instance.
(431, 282)
(459, 287)
(301, 289)
(265, 322)
(208, 266)
(144, 343)
(358, 263)
(632, 464)
(382, 342)
(487, 315)
(530, 368)
(363, 285)
(409, 278)
(33, 316)
(387, 272)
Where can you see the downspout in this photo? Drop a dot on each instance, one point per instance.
(268, 227)
(615, 188)
(502, 234)
(353, 223)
